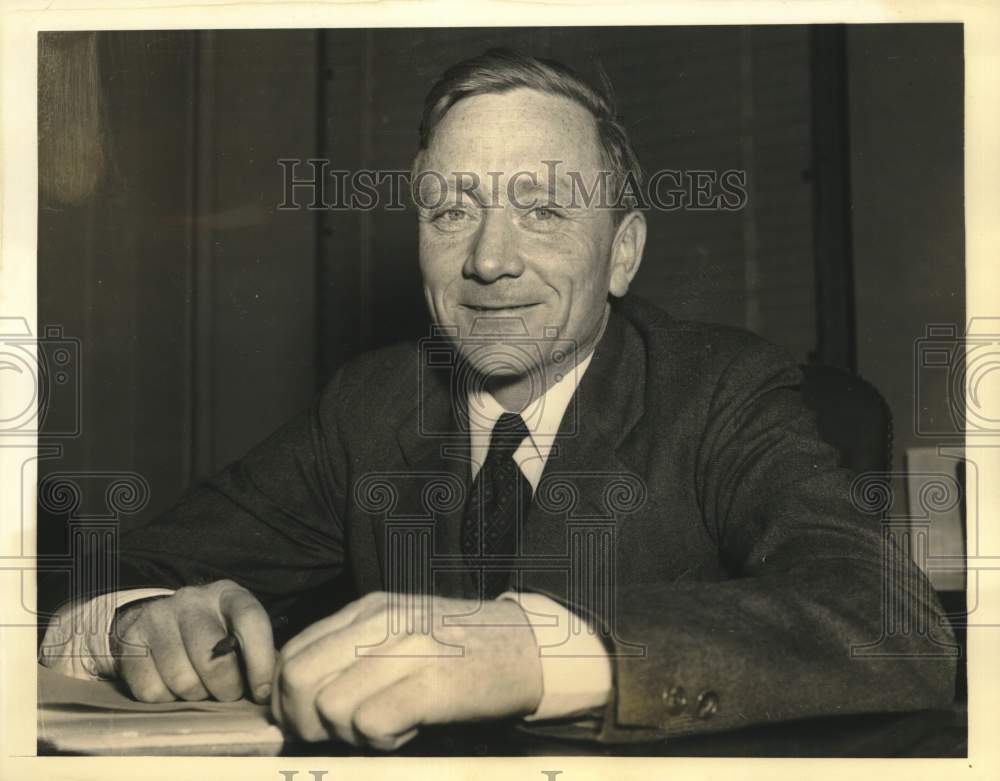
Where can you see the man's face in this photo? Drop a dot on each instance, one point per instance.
(514, 261)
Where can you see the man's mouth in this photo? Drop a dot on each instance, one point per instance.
(497, 307)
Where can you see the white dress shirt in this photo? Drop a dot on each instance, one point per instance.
(576, 671)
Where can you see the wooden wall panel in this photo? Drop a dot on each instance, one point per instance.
(192, 295)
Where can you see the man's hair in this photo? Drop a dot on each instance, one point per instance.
(500, 70)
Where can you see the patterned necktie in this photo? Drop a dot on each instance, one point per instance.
(497, 505)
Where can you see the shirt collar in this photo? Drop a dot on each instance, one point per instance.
(542, 417)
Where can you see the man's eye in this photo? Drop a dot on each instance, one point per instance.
(544, 214)
(451, 215)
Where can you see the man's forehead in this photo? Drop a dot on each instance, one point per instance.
(518, 130)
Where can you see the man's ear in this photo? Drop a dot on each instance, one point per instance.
(626, 252)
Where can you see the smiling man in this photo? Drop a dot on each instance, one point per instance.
(566, 506)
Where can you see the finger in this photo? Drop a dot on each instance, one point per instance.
(173, 665)
(138, 671)
(337, 702)
(293, 700)
(200, 631)
(248, 620)
(393, 715)
(343, 617)
(304, 674)
(333, 651)
(393, 743)
(314, 666)
(337, 622)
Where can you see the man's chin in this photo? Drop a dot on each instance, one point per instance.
(502, 361)
(487, 378)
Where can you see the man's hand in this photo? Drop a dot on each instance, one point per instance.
(385, 664)
(163, 646)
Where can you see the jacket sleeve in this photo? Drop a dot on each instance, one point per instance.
(271, 521)
(822, 615)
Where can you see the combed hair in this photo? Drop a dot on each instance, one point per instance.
(500, 70)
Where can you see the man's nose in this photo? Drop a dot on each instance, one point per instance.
(494, 254)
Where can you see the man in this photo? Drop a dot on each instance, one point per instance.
(577, 508)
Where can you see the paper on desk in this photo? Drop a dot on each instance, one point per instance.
(94, 717)
(56, 689)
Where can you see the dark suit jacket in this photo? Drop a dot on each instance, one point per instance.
(688, 483)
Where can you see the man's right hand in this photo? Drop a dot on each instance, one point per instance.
(163, 646)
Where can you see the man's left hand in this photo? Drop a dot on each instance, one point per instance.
(374, 672)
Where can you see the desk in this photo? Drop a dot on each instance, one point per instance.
(938, 733)
(95, 717)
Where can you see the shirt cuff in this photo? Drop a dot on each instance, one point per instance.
(576, 670)
(77, 642)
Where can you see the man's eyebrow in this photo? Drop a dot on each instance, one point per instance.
(463, 188)
(456, 189)
(527, 184)
(481, 190)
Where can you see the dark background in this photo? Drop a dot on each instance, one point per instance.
(206, 317)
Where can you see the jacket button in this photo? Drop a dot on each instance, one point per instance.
(707, 705)
(675, 698)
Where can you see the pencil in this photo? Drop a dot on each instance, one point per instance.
(226, 645)
(230, 643)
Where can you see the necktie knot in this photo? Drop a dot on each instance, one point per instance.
(508, 433)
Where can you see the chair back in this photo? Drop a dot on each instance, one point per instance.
(852, 416)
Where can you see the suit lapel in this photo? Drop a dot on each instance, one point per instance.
(434, 443)
(585, 481)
